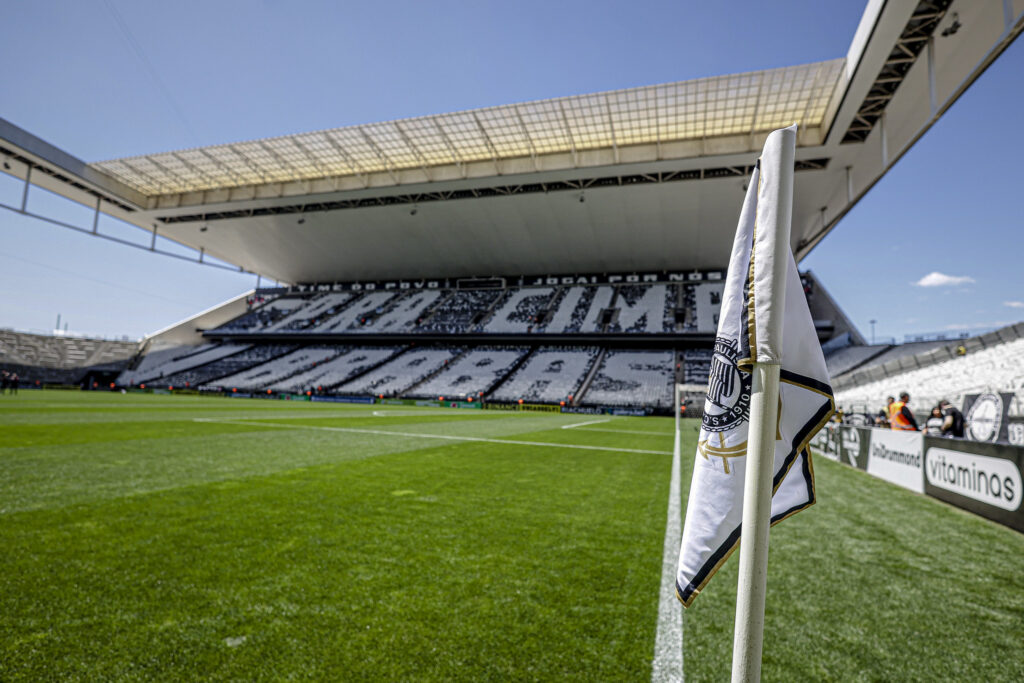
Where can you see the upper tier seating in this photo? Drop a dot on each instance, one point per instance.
(313, 313)
(349, 362)
(633, 378)
(471, 375)
(993, 369)
(402, 314)
(262, 318)
(461, 311)
(550, 375)
(165, 362)
(517, 313)
(849, 357)
(397, 375)
(357, 313)
(210, 372)
(707, 298)
(644, 309)
(265, 374)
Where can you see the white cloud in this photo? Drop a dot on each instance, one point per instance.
(1014, 304)
(937, 279)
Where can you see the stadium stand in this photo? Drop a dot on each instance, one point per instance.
(262, 318)
(471, 375)
(632, 378)
(460, 311)
(168, 361)
(401, 373)
(349, 362)
(551, 375)
(565, 306)
(228, 365)
(402, 314)
(707, 300)
(357, 313)
(519, 310)
(265, 374)
(314, 312)
(644, 309)
(992, 369)
(696, 365)
(61, 360)
(848, 358)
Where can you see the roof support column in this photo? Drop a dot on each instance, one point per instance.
(884, 140)
(96, 216)
(152, 242)
(28, 183)
(929, 49)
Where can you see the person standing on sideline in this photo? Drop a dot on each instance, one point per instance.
(933, 426)
(901, 418)
(953, 422)
(889, 401)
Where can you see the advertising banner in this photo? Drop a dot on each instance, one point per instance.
(853, 446)
(987, 417)
(344, 399)
(896, 456)
(984, 478)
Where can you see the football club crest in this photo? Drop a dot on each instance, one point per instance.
(727, 406)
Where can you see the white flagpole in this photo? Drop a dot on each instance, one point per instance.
(764, 404)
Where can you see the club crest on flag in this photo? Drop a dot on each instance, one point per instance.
(727, 405)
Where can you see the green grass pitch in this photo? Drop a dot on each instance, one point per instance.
(183, 538)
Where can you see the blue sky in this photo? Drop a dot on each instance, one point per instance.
(109, 78)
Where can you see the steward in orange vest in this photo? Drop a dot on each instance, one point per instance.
(900, 416)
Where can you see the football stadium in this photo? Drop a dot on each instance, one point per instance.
(450, 433)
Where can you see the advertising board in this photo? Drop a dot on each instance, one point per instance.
(984, 478)
(896, 456)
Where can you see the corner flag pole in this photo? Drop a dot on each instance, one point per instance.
(764, 405)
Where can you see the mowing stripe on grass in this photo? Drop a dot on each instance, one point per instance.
(421, 435)
(668, 640)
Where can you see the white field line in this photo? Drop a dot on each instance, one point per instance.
(624, 431)
(421, 435)
(668, 641)
(580, 424)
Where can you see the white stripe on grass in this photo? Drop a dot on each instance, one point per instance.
(256, 422)
(668, 640)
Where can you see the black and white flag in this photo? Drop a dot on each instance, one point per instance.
(747, 333)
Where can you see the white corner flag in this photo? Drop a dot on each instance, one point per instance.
(758, 324)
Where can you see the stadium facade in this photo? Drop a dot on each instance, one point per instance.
(556, 251)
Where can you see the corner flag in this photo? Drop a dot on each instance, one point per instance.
(757, 324)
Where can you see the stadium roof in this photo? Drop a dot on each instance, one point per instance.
(740, 104)
(643, 179)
